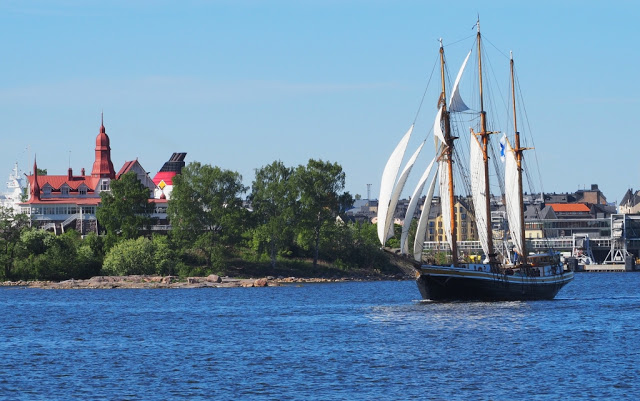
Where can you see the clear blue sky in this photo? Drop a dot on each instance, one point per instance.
(240, 84)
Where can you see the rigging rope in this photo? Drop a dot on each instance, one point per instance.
(425, 92)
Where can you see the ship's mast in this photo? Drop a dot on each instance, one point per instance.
(518, 152)
(484, 136)
(448, 155)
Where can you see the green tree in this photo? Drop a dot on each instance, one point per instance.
(163, 255)
(11, 227)
(35, 241)
(58, 262)
(131, 256)
(206, 211)
(321, 200)
(125, 210)
(354, 245)
(45, 256)
(95, 243)
(273, 199)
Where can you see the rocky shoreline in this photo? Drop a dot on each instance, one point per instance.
(211, 281)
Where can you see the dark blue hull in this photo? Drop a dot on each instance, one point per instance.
(440, 286)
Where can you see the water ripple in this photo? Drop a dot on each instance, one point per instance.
(352, 341)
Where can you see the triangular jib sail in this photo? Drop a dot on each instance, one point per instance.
(421, 230)
(413, 203)
(456, 104)
(388, 180)
(398, 190)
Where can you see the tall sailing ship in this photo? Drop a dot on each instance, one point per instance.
(506, 272)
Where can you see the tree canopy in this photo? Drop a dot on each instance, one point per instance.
(274, 195)
(124, 210)
(206, 209)
(11, 228)
(321, 199)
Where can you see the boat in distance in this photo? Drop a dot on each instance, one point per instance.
(506, 270)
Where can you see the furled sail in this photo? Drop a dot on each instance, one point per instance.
(513, 200)
(404, 246)
(388, 180)
(456, 104)
(397, 191)
(421, 230)
(478, 192)
(445, 202)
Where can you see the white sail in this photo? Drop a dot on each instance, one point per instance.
(404, 246)
(456, 104)
(438, 135)
(513, 200)
(388, 180)
(397, 191)
(421, 230)
(445, 203)
(478, 193)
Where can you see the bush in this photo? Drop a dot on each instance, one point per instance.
(192, 271)
(44, 256)
(141, 256)
(133, 256)
(87, 264)
(163, 255)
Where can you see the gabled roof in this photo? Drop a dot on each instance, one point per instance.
(630, 198)
(538, 211)
(569, 207)
(126, 167)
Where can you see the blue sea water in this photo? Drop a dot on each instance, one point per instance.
(342, 341)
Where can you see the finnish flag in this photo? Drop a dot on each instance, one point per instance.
(503, 146)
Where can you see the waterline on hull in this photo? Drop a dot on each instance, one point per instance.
(441, 283)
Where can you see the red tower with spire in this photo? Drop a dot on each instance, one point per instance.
(35, 189)
(102, 166)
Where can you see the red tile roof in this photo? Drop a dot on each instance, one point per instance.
(57, 181)
(569, 207)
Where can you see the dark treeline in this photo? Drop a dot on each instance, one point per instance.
(294, 225)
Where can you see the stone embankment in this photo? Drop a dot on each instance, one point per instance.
(211, 281)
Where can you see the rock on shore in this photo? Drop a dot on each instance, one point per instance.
(143, 281)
